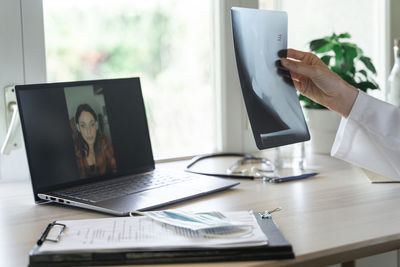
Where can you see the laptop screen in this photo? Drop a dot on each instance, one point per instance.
(78, 132)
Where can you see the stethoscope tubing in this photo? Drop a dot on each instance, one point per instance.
(213, 155)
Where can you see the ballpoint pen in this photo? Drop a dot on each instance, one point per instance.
(43, 237)
(290, 178)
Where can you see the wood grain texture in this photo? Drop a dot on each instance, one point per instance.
(335, 217)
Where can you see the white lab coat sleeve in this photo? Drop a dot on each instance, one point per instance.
(370, 136)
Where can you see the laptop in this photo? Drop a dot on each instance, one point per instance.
(88, 146)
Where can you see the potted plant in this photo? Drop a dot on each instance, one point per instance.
(349, 62)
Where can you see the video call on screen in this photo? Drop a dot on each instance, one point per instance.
(78, 131)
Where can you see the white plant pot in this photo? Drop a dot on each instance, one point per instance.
(323, 125)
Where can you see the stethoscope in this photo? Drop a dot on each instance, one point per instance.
(232, 171)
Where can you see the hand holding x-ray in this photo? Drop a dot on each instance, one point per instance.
(316, 81)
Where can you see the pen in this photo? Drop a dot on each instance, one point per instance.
(45, 233)
(292, 178)
(43, 237)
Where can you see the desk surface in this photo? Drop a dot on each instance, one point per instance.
(335, 217)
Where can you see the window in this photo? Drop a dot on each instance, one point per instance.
(364, 20)
(168, 44)
(198, 66)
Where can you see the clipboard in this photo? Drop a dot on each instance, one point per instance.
(277, 248)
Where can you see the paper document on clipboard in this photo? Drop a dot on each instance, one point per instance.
(144, 233)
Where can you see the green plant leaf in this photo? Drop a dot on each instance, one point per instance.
(337, 70)
(347, 44)
(314, 105)
(326, 59)
(320, 45)
(344, 35)
(346, 56)
(337, 48)
(352, 70)
(374, 82)
(302, 97)
(364, 73)
(366, 85)
(360, 52)
(326, 48)
(308, 103)
(350, 53)
(367, 62)
(349, 79)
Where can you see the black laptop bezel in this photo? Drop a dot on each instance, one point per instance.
(43, 190)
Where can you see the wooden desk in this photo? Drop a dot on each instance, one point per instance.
(335, 217)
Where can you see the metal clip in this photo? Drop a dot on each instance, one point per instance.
(47, 231)
(267, 214)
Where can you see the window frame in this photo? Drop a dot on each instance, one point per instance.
(23, 61)
(234, 133)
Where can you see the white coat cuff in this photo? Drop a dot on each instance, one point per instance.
(348, 127)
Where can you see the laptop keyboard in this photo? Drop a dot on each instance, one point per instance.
(110, 189)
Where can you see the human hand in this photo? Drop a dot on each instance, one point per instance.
(313, 79)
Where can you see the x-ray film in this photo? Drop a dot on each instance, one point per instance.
(272, 104)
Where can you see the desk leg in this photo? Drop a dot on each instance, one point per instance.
(349, 264)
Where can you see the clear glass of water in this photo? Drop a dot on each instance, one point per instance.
(290, 156)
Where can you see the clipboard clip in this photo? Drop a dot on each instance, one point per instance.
(267, 214)
(43, 237)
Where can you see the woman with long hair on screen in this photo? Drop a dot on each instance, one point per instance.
(95, 155)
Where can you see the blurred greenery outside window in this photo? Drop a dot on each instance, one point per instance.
(168, 44)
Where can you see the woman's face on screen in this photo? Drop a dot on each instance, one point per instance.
(87, 125)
